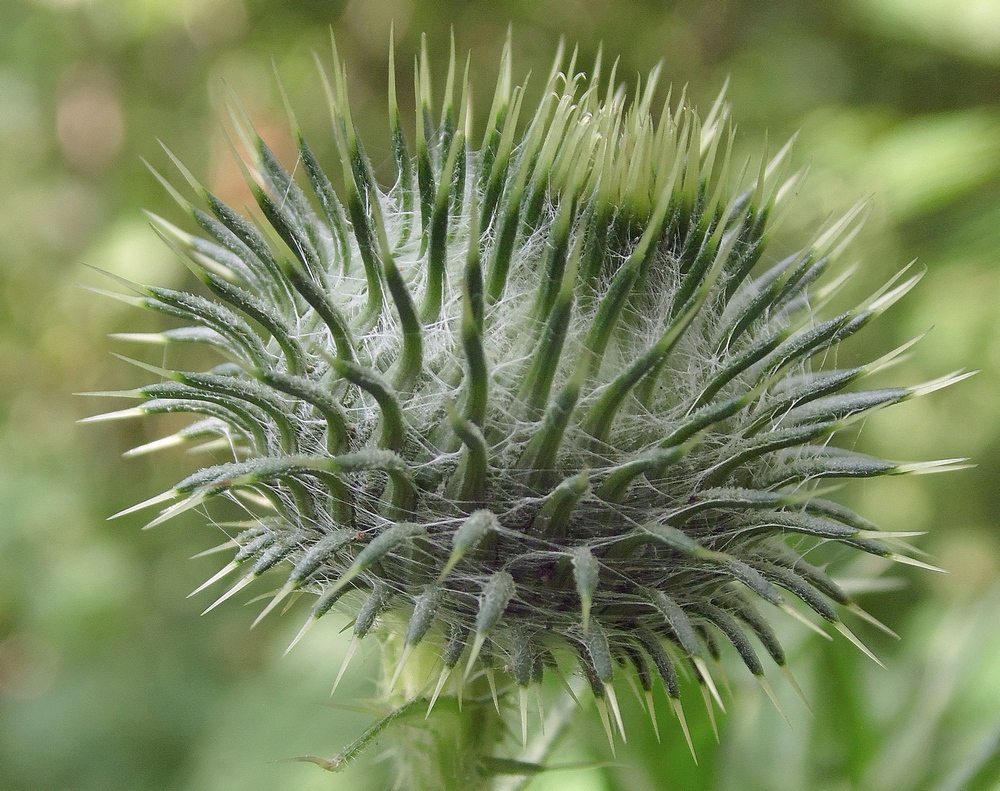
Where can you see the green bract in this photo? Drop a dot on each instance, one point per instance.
(543, 397)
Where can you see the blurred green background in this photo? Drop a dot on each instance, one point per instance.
(110, 680)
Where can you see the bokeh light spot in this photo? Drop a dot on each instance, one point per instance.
(90, 123)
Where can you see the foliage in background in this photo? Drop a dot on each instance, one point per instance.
(107, 679)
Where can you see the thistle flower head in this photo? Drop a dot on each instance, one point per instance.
(545, 396)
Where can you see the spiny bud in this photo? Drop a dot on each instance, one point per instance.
(544, 397)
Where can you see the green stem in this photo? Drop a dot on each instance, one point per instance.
(557, 720)
(446, 750)
(456, 748)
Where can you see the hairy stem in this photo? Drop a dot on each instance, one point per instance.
(450, 748)
(538, 751)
